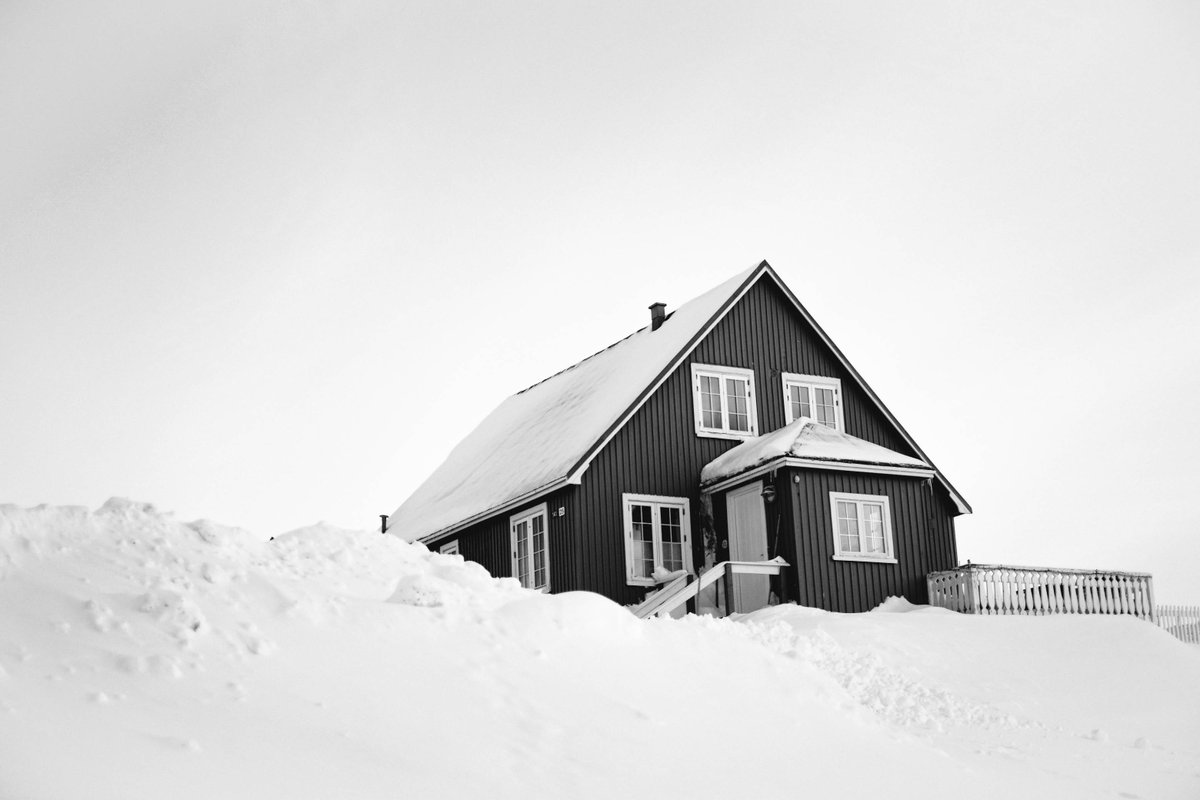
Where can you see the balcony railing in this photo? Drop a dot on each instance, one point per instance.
(991, 589)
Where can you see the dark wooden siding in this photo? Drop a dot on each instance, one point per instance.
(488, 542)
(922, 534)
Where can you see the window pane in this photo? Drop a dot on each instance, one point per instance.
(873, 527)
(643, 540)
(521, 533)
(739, 415)
(644, 560)
(825, 407)
(672, 557)
(672, 537)
(848, 527)
(710, 402)
(539, 551)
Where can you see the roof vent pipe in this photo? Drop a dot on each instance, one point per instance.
(383, 523)
(658, 313)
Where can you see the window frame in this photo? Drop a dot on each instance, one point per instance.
(722, 373)
(528, 515)
(450, 548)
(813, 382)
(628, 501)
(889, 541)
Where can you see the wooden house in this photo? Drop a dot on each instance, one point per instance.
(732, 427)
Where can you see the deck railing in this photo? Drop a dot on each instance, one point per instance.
(992, 589)
(1182, 622)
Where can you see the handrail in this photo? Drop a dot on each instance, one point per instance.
(685, 587)
(654, 602)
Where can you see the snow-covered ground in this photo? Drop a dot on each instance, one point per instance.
(144, 657)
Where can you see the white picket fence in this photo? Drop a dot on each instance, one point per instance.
(992, 589)
(1182, 622)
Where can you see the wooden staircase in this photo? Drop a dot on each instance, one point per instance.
(685, 587)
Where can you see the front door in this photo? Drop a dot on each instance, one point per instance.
(748, 542)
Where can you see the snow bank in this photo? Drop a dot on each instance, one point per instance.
(145, 657)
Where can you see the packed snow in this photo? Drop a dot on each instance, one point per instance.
(807, 439)
(146, 657)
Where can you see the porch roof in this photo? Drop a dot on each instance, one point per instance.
(806, 440)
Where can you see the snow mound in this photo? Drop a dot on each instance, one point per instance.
(450, 581)
(897, 605)
(336, 663)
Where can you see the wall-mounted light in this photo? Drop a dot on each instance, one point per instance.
(768, 493)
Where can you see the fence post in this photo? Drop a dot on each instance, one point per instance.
(1150, 599)
(969, 586)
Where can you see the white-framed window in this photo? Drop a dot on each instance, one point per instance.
(531, 548)
(658, 537)
(813, 396)
(862, 527)
(449, 548)
(723, 402)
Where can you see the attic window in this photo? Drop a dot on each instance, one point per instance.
(723, 402)
(815, 397)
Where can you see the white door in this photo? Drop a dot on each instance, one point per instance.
(748, 542)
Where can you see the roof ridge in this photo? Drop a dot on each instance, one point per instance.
(581, 361)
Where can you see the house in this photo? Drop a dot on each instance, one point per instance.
(732, 427)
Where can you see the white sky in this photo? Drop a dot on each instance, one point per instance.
(267, 262)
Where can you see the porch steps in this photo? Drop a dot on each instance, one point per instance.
(685, 587)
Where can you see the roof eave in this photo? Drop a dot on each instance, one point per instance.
(508, 505)
(816, 463)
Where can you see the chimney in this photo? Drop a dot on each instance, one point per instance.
(658, 313)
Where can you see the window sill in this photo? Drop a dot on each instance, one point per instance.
(867, 559)
(735, 437)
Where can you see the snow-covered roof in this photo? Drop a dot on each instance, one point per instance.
(809, 441)
(541, 437)
(545, 437)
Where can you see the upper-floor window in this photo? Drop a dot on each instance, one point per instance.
(815, 397)
(723, 402)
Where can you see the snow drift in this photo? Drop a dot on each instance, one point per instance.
(145, 657)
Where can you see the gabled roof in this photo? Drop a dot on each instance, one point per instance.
(545, 437)
(808, 442)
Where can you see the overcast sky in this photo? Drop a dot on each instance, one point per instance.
(266, 263)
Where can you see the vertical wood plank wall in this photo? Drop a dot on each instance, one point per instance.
(489, 542)
(922, 535)
(659, 453)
